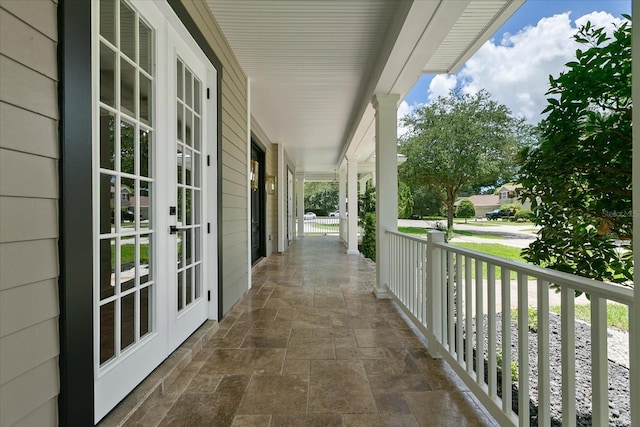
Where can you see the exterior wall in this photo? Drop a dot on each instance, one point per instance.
(271, 160)
(234, 159)
(29, 152)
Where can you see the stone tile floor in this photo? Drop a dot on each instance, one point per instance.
(309, 345)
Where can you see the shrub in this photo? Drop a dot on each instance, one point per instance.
(369, 237)
(465, 209)
(524, 215)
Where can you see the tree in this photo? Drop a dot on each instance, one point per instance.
(579, 177)
(320, 197)
(405, 200)
(465, 209)
(427, 201)
(461, 139)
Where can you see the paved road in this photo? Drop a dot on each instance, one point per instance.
(509, 234)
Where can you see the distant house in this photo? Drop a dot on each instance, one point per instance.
(482, 202)
(510, 194)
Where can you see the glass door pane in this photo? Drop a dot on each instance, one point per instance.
(124, 265)
(188, 186)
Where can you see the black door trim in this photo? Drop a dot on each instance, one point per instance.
(75, 284)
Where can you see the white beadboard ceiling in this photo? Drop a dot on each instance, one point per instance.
(314, 65)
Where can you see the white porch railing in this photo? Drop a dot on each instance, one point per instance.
(450, 292)
(321, 226)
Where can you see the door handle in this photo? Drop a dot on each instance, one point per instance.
(173, 229)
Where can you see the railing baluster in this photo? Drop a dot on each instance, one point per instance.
(422, 280)
(451, 302)
(544, 398)
(505, 283)
(523, 350)
(491, 327)
(568, 338)
(599, 364)
(479, 324)
(459, 290)
(405, 285)
(442, 289)
(468, 309)
(445, 273)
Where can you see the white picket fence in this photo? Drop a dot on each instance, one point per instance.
(450, 292)
(322, 226)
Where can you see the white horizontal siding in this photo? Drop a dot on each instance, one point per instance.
(29, 152)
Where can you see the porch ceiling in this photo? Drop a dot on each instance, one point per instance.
(314, 65)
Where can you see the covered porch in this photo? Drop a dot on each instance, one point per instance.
(308, 345)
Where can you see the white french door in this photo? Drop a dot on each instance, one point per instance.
(187, 300)
(152, 194)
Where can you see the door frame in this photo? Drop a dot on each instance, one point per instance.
(262, 200)
(75, 241)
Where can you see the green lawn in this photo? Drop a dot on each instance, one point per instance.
(476, 234)
(617, 314)
(128, 254)
(494, 249)
(416, 231)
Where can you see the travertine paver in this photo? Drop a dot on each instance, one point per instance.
(310, 345)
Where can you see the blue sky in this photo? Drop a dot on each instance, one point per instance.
(534, 43)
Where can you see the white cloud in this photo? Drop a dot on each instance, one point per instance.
(403, 109)
(441, 85)
(516, 68)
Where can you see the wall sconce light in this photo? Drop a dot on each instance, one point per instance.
(254, 175)
(272, 184)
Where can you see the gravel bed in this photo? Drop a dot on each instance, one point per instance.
(619, 412)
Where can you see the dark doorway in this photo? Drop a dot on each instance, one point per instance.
(258, 203)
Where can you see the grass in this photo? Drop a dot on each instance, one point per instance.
(413, 230)
(128, 254)
(617, 314)
(494, 249)
(477, 234)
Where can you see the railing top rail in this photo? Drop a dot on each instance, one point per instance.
(610, 291)
(408, 236)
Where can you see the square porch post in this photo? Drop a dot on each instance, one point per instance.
(352, 195)
(300, 203)
(342, 206)
(386, 107)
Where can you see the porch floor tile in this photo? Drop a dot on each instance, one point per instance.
(310, 345)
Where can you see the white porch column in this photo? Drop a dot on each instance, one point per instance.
(634, 330)
(300, 202)
(342, 205)
(352, 194)
(387, 189)
(363, 184)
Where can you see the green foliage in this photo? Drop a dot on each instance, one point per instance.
(427, 200)
(369, 237)
(460, 139)
(465, 209)
(532, 318)
(320, 197)
(579, 177)
(367, 202)
(524, 215)
(405, 200)
(514, 366)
